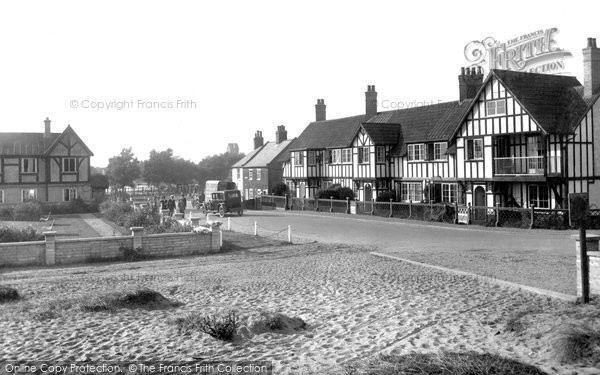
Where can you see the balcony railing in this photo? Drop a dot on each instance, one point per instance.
(526, 165)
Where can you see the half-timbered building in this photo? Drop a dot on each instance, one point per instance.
(513, 139)
(53, 167)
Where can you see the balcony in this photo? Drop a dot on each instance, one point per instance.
(527, 165)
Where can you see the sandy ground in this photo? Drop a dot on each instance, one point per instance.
(355, 305)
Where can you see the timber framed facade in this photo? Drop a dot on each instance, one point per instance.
(512, 139)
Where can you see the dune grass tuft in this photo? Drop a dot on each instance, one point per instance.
(223, 327)
(139, 298)
(576, 343)
(8, 294)
(444, 363)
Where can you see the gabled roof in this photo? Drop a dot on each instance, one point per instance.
(268, 153)
(383, 134)
(25, 144)
(555, 102)
(68, 131)
(337, 133)
(264, 155)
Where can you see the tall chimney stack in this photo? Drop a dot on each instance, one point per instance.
(320, 110)
(47, 130)
(280, 134)
(371, 101)
(258, 139)
(469, 82)
(591, 68)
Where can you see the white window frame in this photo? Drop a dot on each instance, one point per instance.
(492, 107)
(412, 152)
(471, 154)
(411, 191)
(312, 157)
(346, 155)
(299, 158)
(258, 174)
(439, 151)
(545, 203)
(72, 194)
(29, 161)
(449, 192)
(35, 194)
(336, 156)
(66, 167)
(379, 154)
(364, 153)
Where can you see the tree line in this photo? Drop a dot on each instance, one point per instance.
(164, 168)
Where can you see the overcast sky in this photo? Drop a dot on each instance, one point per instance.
(246, 65)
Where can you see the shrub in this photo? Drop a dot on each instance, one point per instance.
(141, 218)
(7, 213)
(385, 196)
(8, 294)
(30, 210)
(131, 254)
(10, 234)
(336, 191)
(115, 211)
(575, 343)
(280, 189)
(139, 298)
(169, 225)
(220, 327)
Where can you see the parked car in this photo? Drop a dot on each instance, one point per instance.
(223, 202)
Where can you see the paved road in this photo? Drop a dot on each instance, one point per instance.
(539, 258)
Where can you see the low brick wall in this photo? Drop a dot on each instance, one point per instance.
(23, 253)
(85, 250)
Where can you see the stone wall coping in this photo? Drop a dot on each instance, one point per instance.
(87, 239)
(24, 243)
(588, 237)
(50, 233)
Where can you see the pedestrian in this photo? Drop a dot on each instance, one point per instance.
(184, 201)
(181, 206)
(163, 203)
(171, 205)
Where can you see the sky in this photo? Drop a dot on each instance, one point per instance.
(196, 75)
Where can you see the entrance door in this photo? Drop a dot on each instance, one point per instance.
(302, 190)
(368, 193)
(479, 201)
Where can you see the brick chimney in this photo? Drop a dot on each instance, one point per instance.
(469, 82)
(280, 134)
(371, 101)
(258, 139)
(47, 130)
(320, 110)
(591, 68)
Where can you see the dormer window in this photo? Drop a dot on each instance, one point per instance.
(416, 152)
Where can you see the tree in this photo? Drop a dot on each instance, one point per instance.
(279, 189)
(99, 181)
(122, 169)
(159, 167)
(217, 167)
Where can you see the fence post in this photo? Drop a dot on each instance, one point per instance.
(409, 208)
(532, 216)
(229, 224)
(583, 249)
(261, 202)
(255, 229)
(289, 233)
(303, 203)
(316, 204)
(469, 213)
(220, 238)
(372, 206)
(497, 214)
(331, 203)
(456, 212)
(347, 205)
(137, 233)
(287, 201)
(391, 208)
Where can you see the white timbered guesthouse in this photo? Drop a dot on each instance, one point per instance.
(514, 139)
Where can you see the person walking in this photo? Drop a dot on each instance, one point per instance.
(171, 205)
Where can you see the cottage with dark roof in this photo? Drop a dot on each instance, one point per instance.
(52, 167)
(259, 171)
(512, 139)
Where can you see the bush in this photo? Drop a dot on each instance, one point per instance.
(139, 298)
(132, 255)
(385, 196)
(8, 294)
(115, 211)
(280, 189)
(29, 211)
(141, 218)
(220, 327)
(336, 191)
(10, 234)
(7, 213)
(576, 343)
(170, 225)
